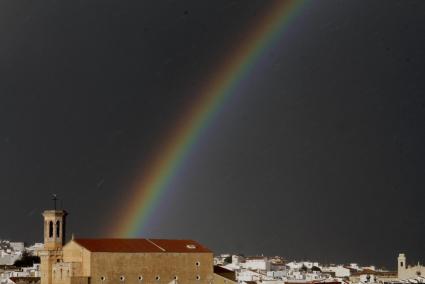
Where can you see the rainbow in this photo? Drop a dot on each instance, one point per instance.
(154, 183)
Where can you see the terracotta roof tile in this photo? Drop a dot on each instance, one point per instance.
(141, 245)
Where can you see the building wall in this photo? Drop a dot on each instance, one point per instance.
(80, 257)
(80, 280)
(47, 259)
(339, 271)
(257, 264)
(9, 259)
(131, 266)
(411, 272)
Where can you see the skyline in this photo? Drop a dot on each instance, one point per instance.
(319, 155)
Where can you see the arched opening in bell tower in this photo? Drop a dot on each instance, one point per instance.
(58, 228)
(51, 229)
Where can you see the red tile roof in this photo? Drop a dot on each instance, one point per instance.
(141, 245)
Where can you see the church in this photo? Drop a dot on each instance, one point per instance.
(405, 271)
(120, 261)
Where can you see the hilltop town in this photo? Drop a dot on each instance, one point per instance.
(127, 261)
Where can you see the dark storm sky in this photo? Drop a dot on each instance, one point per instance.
(321, 157)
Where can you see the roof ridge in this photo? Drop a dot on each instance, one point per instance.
(161, 248)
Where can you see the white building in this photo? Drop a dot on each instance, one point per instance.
(17, 246)
(249, 275)
(256, 263)
(338, 271)
(35, 248)
(9, 258)
(299, 265)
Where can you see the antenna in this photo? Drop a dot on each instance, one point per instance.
(55, 200)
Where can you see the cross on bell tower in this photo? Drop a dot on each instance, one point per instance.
(55, 199)
(54, 226)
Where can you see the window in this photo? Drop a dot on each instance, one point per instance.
(401, 264)
(102, 278)
(175, 277)
(140, 277)
(198, 277)
(197, 263)
(122, 278)
(58, 228)
(157, 278)
(51, 229)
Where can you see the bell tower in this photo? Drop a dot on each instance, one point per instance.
(54, 239)
(54, 229)
(401, 268)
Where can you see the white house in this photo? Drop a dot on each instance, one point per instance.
(256, 263)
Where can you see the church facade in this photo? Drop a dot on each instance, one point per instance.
(120, 261)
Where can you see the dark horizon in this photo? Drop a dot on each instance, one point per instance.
(319, 157)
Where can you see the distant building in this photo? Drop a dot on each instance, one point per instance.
(405, 271)
(35, 248)
(10, 252)
(256, 263)
(337, 271)
(17, 246)
(249, 275)
(222, 259)
(8, 258)
(368, 275)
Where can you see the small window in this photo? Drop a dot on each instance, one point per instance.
(122, 278)
(140, 277)
(102, 278)
(401, 264)
(198, 277)
(197, 263)
(175, 277)
(157, 278)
